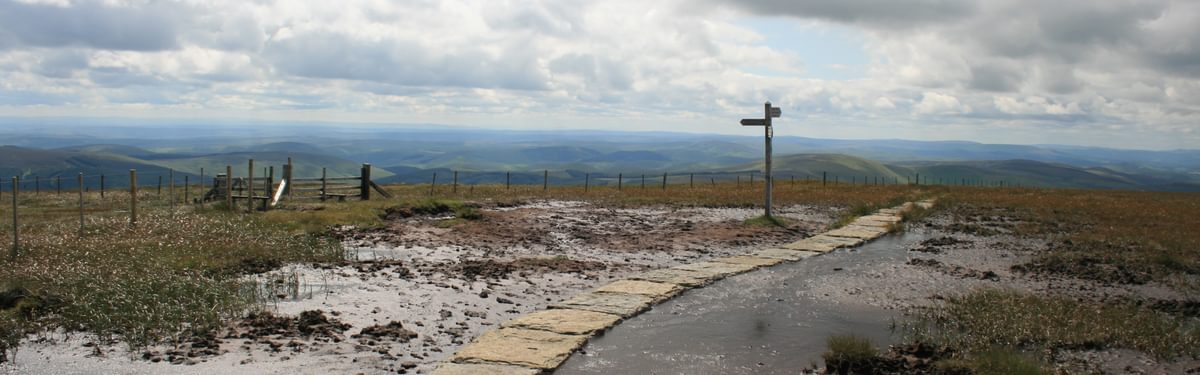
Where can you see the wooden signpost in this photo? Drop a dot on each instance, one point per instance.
(769, 112)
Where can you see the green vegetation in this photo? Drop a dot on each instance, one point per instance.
(993, 362)
(1109, 236)
(986, 319)
(171, 275)
(850, 354)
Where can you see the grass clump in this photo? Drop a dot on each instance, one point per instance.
(850, 354)
(986, 319)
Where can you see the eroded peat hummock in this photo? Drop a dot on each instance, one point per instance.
(415, 289)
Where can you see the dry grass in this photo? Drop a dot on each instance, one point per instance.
(987, 319)
(173, 273)
(1111, 236)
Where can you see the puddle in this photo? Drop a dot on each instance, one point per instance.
(764, 322)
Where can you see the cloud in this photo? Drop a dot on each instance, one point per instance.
(935, 103)
(971, 68)
(142, 27)
(885, 13)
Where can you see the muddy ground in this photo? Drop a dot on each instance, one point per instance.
(980, 250)
(413, 292)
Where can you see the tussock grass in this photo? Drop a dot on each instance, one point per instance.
(987, 319)
(173, 273)
(850, 354)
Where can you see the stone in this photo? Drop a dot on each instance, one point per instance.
(855, 231)
(674, 276)
(840, 241)
(806, 245)
(716, 270)
(784, 254)
(883, 218)
(621, 304)
(565, 321)
(750, 260)
(478, 368)
(521, 347)
(926, 204)
(656, 291)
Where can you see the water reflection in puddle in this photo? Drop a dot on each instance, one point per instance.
(763, 322)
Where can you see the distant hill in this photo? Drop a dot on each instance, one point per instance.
(415, 152)
(114, 162)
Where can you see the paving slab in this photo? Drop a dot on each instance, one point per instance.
(884, 218)
(565, 321)
(871, 223)
(784, 254)
(815, 246)
(750, 260)
(865, 233)
(656, 291)
(621, 304)
(840, 241)
(479, 368)
(521, 347)
(925, 204)
(888, 211)
(674, 276)
(716, 270)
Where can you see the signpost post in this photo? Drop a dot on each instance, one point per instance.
(769, 112)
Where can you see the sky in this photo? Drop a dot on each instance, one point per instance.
(1113, 73)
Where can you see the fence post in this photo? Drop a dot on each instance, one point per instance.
(187, 189)
(16, 181)
(159, 193)
(507, 180)
(229, 187)
(664, 184)
(545, 180)
(250, 188)
(57, 185)
(266, 205)
(454, 188)
(364, 188)
(171, 190)
(323, 184)
(643, 181)
(587, 179)
(37, 185)
(918, 179)
(713, 180)
(739, 180)
(101, 186)
(288, 175)
(79, 179)
(751, 179)
(433, 184)
(133, 198)
(201, 187)
(824, 178)
(620, 177)
(692, 180)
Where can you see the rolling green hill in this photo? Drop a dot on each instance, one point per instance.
(114, 162)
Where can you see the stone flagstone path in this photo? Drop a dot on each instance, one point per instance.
(542, 340)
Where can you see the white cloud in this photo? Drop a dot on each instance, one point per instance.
(937, 65)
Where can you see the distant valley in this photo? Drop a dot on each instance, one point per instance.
(413, 155)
